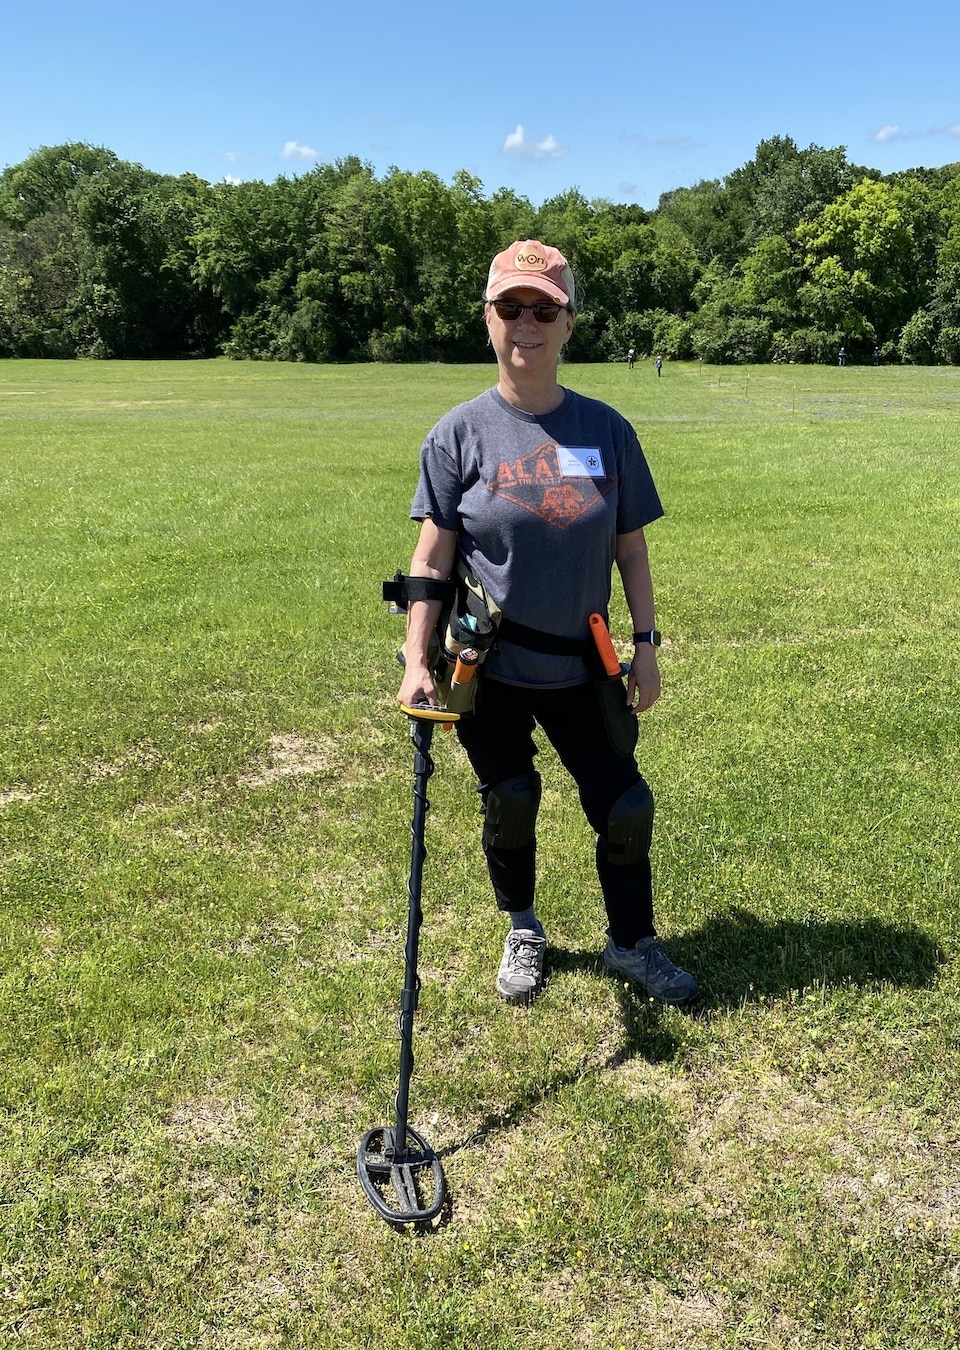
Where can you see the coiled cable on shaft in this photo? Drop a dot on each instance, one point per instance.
(421, 733)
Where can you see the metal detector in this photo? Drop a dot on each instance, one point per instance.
(400, 1174)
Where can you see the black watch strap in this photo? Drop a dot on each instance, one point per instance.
(652, 635)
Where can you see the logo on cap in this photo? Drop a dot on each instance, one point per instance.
(530, 262)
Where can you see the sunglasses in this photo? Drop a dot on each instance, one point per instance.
(544, 311)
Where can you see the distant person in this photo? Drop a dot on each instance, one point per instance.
(876, 356)
(659, 366)
(541, 492)
(843, 357)
(631, 357)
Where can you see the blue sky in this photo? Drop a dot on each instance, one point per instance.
(621, 101)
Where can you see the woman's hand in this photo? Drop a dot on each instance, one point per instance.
(417, 687)
(643, 680)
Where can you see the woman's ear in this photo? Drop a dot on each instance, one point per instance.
(485, 318)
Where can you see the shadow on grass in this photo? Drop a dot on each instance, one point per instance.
(737, 957)
(646, 1037)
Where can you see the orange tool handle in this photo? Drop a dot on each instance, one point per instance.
(463, 672)
(601, 636)
(466, 667)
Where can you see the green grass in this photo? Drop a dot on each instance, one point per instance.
(204, 808)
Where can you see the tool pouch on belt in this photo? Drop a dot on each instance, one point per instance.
(468, 619)
(619, 721)
(471, 623)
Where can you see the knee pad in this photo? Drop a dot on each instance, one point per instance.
(510, 812)
(630, 825)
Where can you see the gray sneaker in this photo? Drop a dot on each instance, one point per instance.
(648, 965)
(520, 976)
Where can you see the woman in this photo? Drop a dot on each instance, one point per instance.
(540, 491)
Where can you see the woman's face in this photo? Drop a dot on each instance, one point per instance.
(524, 346)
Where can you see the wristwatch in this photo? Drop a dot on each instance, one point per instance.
(652, 635)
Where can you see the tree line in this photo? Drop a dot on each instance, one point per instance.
(788, 258)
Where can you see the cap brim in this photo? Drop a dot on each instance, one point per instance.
(529, 283)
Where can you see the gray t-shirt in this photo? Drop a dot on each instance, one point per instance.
(537, 503)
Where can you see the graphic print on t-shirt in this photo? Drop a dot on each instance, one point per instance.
(543, 482)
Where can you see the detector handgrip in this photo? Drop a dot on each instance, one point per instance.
(426, 712)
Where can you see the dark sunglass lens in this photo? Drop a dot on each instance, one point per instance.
(543, 311)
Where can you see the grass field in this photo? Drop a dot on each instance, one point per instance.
(204, 810)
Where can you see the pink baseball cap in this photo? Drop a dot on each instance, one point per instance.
(530, 263)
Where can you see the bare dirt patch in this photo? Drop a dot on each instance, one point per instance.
(140, 755)
(291, 756)
(207, 1120)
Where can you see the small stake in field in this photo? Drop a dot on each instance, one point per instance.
(400, 1174)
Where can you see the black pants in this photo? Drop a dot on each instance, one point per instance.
(499, 743)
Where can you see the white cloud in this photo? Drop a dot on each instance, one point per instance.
(518, 143)
(229, 178)
(663, 143)
(231, 156)
(294, 150)
(893, 132)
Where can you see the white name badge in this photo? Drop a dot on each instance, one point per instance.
(580, 461)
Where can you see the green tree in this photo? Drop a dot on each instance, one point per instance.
(769, 280)
(789, 256)
(511, 217)
(39, 278)
(42, 250)
(714, 325)
(918, 341)
(263, 250)
(96, 257)
(137, 290)
(563, 222)
(676, 268)
(710, 219)
(424, 312)
(49, 179)
(945, 305)
(461, 259)
(870, 259)
(783, 185)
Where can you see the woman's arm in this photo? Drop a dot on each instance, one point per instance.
(633, 564)
(433, 557)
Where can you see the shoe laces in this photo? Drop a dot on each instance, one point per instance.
(658, 960)
(523, 951)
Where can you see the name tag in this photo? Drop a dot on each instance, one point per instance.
(580, 461)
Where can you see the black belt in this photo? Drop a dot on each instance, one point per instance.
(535, 640)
